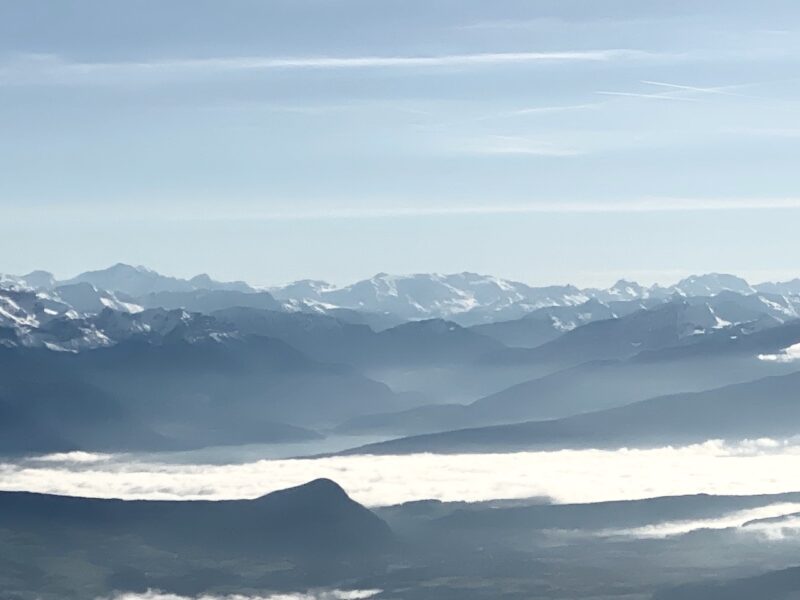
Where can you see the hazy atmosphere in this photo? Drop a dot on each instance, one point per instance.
(399, 300)
(273, 141)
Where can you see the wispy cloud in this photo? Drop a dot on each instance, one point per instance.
(185, 212)
(535, 110)
(550, 23)
(734, 519)
(685, 93)
(530, 111)
(647, 205)
(648, 96)
(516, 145)
(776, 132)
(723, 91)
(49, 68)
(73, 457)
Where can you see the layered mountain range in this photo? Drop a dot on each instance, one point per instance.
(38, 310)
(126, 358)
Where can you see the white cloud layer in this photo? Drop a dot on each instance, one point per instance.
(180, 212)
(757, 467)
(779, 529)
(787, 355)
(34, 69)
(741, 518)
(313, 595)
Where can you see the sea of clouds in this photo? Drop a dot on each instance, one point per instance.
(714, 467)
(313, 595)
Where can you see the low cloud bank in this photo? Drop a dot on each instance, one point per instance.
(314, 595)
(779, 529)
(737, 519)
(787, 355)
(72, 457)
(754, 467)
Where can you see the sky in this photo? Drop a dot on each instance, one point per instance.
(547, 141)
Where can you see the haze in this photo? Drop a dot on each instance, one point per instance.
(283, 140)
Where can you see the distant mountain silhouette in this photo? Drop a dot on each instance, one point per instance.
(768, 407)
(432, 341)
(140, 281)
(86, 298)
(711, 284)
(314, 518)
(218, 363)
(786, 288)
(722, 357)
(599, 516)
(309, 535)
(385, 300)
(177, 393)
(546, 324)
(208, 300)
(679, 322)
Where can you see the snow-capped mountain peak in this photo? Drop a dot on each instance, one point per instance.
(712, 284)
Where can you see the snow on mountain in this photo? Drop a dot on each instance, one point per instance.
(712, 284)
(698, 319)
(785, 288)
(78, 316)
(31, 318)
(39, 325)
(34, 280)
(139, 281)
(415, 296)
(423, 296)
(623, 290)
(305, 289)
(85, 298)
(472, 299)
(545, 324)
(23, 307)
(37, 280)
(467, 298)
(31, 301)
(158, 325)
(742, 308)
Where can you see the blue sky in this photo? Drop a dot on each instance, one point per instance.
(546, 141)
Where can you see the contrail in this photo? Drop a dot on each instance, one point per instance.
(650, 96)
(703, 90)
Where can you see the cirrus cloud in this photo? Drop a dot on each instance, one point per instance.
(35, 69)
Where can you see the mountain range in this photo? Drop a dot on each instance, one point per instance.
(467, 298)
(766, 408)
(125, 360)
(36, 309)
(156, 362)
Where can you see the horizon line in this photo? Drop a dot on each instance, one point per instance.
(92, 212)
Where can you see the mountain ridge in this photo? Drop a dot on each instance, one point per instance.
(466, 297)
(738, 411)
